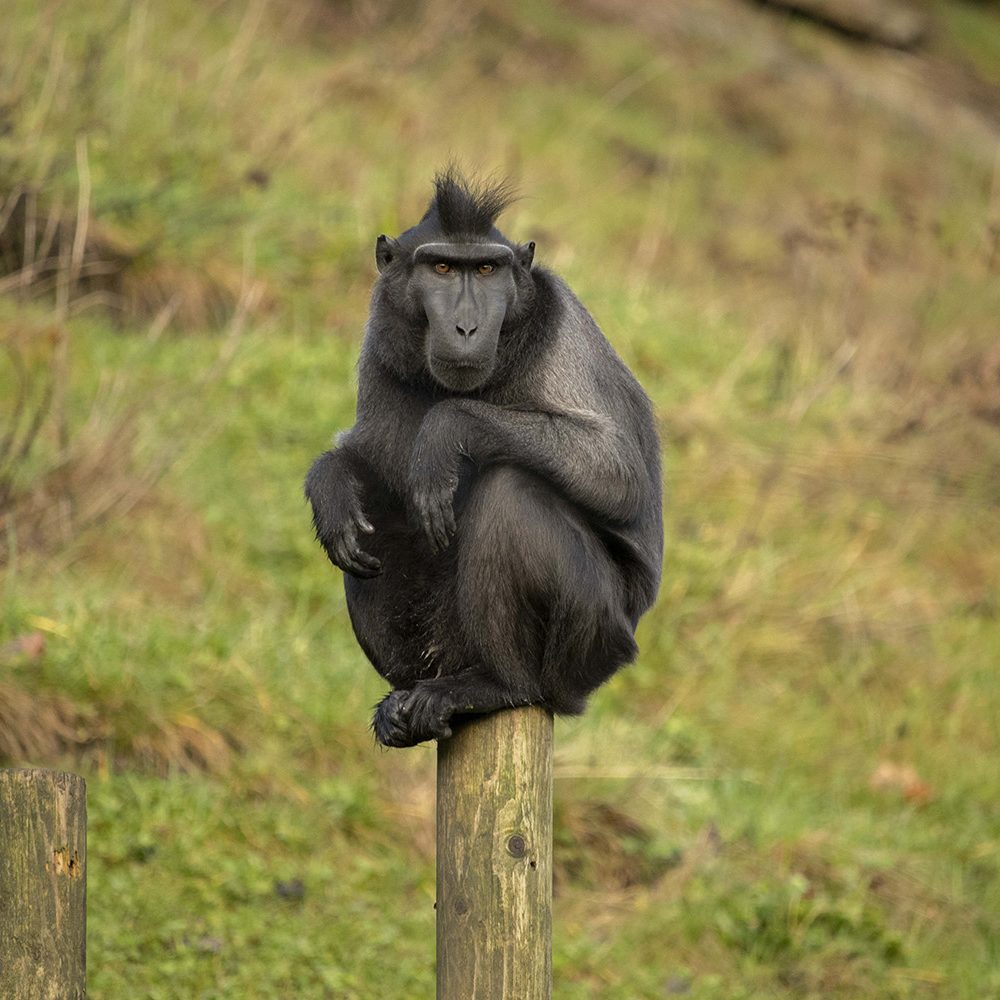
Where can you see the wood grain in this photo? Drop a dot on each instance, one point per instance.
(494, 859)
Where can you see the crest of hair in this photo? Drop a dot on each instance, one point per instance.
(469, 208)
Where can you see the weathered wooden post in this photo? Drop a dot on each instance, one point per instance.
(494, 859)
(43, 885)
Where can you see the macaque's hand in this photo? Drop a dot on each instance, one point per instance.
(433, 478)
(338, 516)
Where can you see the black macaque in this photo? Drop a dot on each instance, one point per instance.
(496, 507)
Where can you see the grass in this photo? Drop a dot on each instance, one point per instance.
(804, 284)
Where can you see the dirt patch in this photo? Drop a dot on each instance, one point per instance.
(599, 846)
(77, 262)
(36, 728)
(977, 383)
(48, 727)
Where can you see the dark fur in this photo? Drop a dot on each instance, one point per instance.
(461, 210)
(545, 479)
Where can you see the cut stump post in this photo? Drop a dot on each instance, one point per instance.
(494, 858)
(43, 885)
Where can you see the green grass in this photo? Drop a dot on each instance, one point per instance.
(804, 286)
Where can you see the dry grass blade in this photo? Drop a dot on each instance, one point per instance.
(24, 421)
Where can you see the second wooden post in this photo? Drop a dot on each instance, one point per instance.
(494, 859)
(43, 885)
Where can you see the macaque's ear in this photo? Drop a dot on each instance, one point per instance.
(525, 254)
(386, 251)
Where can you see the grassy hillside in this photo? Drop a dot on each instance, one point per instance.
(793, 792)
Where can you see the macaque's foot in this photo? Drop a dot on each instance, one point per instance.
(429, 710)
(406, 718)
(389, 723)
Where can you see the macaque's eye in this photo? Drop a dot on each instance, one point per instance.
(441, 267)
(486, 268)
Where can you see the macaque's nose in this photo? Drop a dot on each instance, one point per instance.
(466, 331)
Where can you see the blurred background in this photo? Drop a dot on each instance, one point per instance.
(786, 218)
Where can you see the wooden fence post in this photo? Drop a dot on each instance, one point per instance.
(43, 885)
(494, 859)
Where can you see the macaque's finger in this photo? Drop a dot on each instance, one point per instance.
(365, 565)
(352, 559)
(365, 558)
(426, 510)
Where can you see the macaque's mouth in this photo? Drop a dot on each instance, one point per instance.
(458, 375)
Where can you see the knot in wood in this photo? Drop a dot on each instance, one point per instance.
(516, 846)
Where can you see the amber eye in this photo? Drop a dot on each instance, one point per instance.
(485, 268)
(442, 268)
